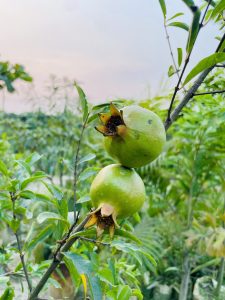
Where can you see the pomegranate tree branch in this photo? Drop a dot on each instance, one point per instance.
(210, 93)
(195, 10)
(57, 258)
(191, 92)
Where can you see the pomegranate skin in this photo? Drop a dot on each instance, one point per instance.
(118, 187)
(140, 141)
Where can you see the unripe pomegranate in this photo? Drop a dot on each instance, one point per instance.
(134, 135)
(116, 191)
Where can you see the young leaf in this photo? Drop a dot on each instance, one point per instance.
(180, 25)
(92, 118)
(124, 293)
(163, 7)
(31, 179)
(193, 30)
(84, 266)
(220, 7)
(39, 237)
(48, 216)
(87, 158)
(127, 235)
(171, 71)
(204, 64)
(3, 168)
(106, 275)
(84, 199)
(88, 173)
(8, 294)
(83, 101)
(33, 158)
(180, 56)
(137, 293)
(175, 16)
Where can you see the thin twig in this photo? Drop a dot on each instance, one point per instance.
(184, 68)
(210, 93)
(94, 241)
(13, 199)
(12, 274)
(190, 93)
(170, 47)
(220, 66)
(75, 175)
(56, 260)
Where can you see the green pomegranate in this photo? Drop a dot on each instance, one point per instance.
(134, 136)
(115, 192)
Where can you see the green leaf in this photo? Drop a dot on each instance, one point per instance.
(220, 7)
(93, 117)
(204, 64)
(106, 275)
(175, 16)
(106, 104)
(193, 31)
(88, 173)
(84, 266)
(171, 71)
(222, 47)
(163, 7)
(83, 101)
(189, 3)
(124, 293)
(127, 235)
(180, 25)
(73, 271)
(137, 293)
(83, 199)
(54, 190)
(180, 56)
(8, 294)
(33, 158)
(24, 165)
(3, 168)
(31, 179)
(48, 216)
(86, 158)
(14, 225)
(41, 236)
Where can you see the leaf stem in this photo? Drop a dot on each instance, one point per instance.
(13, 199)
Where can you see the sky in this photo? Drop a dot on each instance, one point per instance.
(113, 48)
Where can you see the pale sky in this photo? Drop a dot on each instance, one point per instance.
(113, 48)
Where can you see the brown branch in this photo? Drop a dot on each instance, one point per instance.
(209, 93)
(58, 256)
(94, 241)
(191, 92)
(184, 68)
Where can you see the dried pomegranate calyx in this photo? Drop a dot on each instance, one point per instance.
(110, 121)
